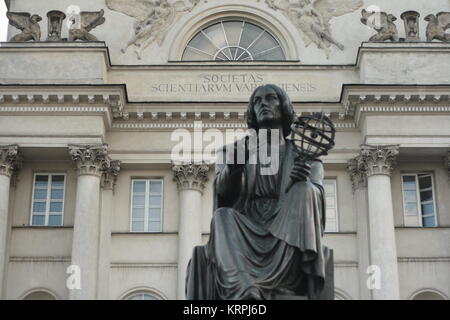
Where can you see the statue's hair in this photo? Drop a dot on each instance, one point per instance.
(287, 111)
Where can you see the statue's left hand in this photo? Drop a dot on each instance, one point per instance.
(301, 171)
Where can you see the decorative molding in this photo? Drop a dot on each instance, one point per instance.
(40, 259)
(423, 259)
(357, 171)
(10, 160)
(125, 265)
(190, 176)
(90, 159)
(378, 159)
(109, 175)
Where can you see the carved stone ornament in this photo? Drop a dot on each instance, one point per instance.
(109, 176)
(153, 18)
(90, 159)
(379, 159)
(357, 171)
(312, 18)
(383, 23)
(411, 20)
(437, 26)
(27, 23)
(55, 20)
(84, 22)
(191, 176)
(10, 160)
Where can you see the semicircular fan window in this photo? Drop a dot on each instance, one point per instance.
(233, 40)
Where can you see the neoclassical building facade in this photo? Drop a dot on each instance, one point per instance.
(92, 204)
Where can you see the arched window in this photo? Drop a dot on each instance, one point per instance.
(39, 295)
(233, 40)
(428, 295)
(141, 295)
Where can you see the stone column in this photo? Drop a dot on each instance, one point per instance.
(108, 183)
(90, 161)
(190, 180)
(359, 185)
(378, 162)
(10, 161)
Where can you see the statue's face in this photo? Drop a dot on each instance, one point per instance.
(266, 106)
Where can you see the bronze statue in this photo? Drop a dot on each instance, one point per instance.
(266, 231)
(27, 23)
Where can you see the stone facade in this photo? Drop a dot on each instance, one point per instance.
(104, 118)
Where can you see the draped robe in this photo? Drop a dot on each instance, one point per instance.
(264, 242)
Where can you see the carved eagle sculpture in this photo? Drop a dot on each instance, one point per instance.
(312, 18)
(153, 18)
(27, 23)
(437, 26)
(88, 21)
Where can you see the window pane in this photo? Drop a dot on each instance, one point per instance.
(249, 34)
(57, 181)
(41, 181)
(138, 200)
(155, 186)
(233, 31)
(57, 194)
(38, 220)
(56, 206)
(427, 209)
(139, 186)
(329, 188)
(55, 220)
(138, 213)
(409, 182)
(154, 226)
(155, 201)
(155, 213)
(40, 194)
(410, 196)
(424, 182)
(137, 226)
(411, 209)
(426, 196)
(39, 207)
(216, 34)
(429, 221)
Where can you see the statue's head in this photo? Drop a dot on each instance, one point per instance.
(36, 18)
(270, 106)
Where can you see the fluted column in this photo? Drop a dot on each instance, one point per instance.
(378, 163)
(91, 161)
(108, 182)
(190, 180)
(10, 161)
(360, 201)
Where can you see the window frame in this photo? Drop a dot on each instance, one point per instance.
(336, 204)
(48, 199)
(242, 20)
(146, 204)
(419, 201)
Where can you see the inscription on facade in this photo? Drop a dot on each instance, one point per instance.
(229, 83)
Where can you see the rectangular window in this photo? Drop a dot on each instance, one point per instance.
(418, 200)
(146, 205)
(47, 207)
(331, 224)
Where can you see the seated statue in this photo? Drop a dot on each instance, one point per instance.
(265, 239)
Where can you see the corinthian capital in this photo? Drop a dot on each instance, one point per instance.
(357, 171)
(90, 159)
(379, 159)
(109, 176)
(10, 159)
(191, 176)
